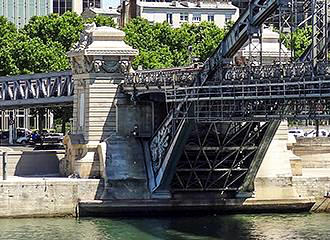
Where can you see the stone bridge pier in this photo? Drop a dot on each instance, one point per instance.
(101, 113)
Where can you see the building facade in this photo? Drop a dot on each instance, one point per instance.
(22, 118)
(93, 12)
(20, 11)
(178, 12)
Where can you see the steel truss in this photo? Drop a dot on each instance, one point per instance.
(36, 89)
(217, 156)
(231, 109)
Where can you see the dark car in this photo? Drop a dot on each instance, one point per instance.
(4, 135)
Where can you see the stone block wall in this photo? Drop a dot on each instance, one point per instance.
(100, 99)
(49, 197)
(312, 186)
(314, 152)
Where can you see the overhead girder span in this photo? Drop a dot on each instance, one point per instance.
(31, 90)
(168, 143)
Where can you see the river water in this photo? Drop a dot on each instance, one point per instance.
(231, 227)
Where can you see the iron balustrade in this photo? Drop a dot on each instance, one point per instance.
(160, 78)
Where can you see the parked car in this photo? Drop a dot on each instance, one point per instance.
(4, 135)
(22, 132)
(312, 133)
(297, 133)
(23, 140)
(52, 138)
(23, 136)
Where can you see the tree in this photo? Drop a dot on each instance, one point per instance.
(21, 54)
(33, 56)
(300, 41)
(62, 29)
(161, 46)
(101, 21)
(40, 113)
(63, 113)
(8, 34)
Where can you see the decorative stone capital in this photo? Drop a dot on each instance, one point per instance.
(101, 50)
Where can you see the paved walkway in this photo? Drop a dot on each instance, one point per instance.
(316, 172)
(11, 179)
(6, 149)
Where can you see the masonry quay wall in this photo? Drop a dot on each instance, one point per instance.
(45, 197)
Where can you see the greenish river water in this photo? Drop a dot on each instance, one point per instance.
(231, 227)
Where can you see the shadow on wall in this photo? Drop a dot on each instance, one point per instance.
(109, 125)
(36, 163)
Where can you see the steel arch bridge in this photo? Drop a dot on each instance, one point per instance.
(220, 117)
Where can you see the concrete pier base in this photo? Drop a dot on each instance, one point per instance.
(189, 207)
(274, 178)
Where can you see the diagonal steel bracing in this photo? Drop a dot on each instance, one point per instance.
(25, 91)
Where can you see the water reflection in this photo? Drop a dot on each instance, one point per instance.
(231, 227)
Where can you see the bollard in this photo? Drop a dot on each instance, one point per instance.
(4, 166)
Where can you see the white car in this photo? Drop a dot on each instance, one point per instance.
(297, 133)
(312, 133)
(23, 140)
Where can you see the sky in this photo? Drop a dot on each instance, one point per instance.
(110, 3)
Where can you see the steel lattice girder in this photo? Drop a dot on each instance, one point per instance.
(36, 89)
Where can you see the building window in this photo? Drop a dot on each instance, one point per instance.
(169, 18)
(91, 3)
(227, 18)
(196, 18)
(56, 6)
(210, 18)
(184, 17)
(61, 6)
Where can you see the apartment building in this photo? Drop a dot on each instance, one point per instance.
(20, 11)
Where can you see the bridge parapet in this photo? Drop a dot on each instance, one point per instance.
(154, 80)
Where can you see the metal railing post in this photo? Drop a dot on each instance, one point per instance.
(4, 166)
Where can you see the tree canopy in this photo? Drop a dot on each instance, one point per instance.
(42, 44)
(301, 39)
(161, 46)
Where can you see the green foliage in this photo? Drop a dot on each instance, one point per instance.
(162, 46)
(301, 39)
(20, 54)
(34, 56)
(63, 29)
(42, 44)
(101, 21)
